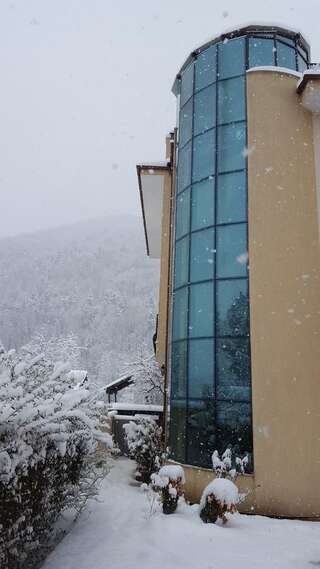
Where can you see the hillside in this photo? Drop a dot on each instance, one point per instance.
(91, 280)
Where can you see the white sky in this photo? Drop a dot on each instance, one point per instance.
(86, 94)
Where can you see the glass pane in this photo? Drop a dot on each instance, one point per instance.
(233, 369)
(302, 65)
(261, 52)
(231, 58)
(181, 262)
(206, 67)
(184, 167)
(201, 310)
(201, 432)
(232, 251)
(303, 53)
(186, 85)
(186, 123)
(205, 109)
(201, 368)
(183, 213)
(286, 56)
(232, 198)
(234, 429)
(177, 438)
(231, 147)
(231, 100)
(204, 155)
(287, 40)
(180, 314)
(202, 255)
(232, 308)
(202, 204)
(179, 370)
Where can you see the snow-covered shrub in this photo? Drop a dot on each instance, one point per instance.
(144, 439)
(222, 495)
(48, 434)
(218, 498)
(148, 381)
(228, 466)
(169, 482)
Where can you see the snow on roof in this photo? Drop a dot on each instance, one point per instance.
(273, 69)
(118, 381)
(135, 407)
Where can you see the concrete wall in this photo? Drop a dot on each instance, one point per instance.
(284, 297)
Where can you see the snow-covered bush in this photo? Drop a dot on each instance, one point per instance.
(144, 439)
(48, 435)
(218, 498)
(221, 495)
(228, 466)
(148, 386)
(169, 482)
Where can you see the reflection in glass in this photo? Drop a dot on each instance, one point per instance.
(233, 425)
(231, 58)
(201, 368)
(201, 432)
(231, 147)
(180, 314)
(232, 197)
(177, 437)
(186, 85)
(179, 369)
(185, 123)
(181, 263)
(232, 308)
(203, 156)
(202, 204)
(204, 109)
(286, 56)
(231, 100)
(232, 254)
(182, 213)
(202, 255)
(206, 67)
(261, 52)
(233, 369)
(184, 167)
(201, 310)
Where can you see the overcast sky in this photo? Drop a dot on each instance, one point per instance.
(86, 94)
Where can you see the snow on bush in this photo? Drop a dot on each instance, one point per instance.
(48, 435)
(168, 482)
(144, 439)
(221, 495)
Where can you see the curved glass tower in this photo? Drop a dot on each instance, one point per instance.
(210, 403)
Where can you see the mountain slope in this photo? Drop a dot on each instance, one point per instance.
(91, 279)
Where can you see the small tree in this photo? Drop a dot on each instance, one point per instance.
(144, 443)
(168, 483)
(148, 379)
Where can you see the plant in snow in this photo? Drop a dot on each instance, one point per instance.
(169, 482)
(228, 466)
(221, 495)
(218, 498)
(48, 436)
(144, 439)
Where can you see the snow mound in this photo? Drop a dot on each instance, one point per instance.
(172, 472)
(223, 490)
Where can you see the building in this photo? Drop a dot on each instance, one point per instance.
(241, 347)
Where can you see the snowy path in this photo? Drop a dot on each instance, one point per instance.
(119, 533)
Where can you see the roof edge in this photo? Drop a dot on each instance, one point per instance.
(252, 28)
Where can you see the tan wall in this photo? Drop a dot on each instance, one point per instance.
(164, 271)
(284, 297)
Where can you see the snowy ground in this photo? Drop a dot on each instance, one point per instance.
(119, 532)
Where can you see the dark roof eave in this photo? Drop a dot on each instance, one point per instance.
(237, 33)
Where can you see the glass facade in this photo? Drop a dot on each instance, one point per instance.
(210, 403)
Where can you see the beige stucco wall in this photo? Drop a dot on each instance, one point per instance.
(284, 297)
(164, 270)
